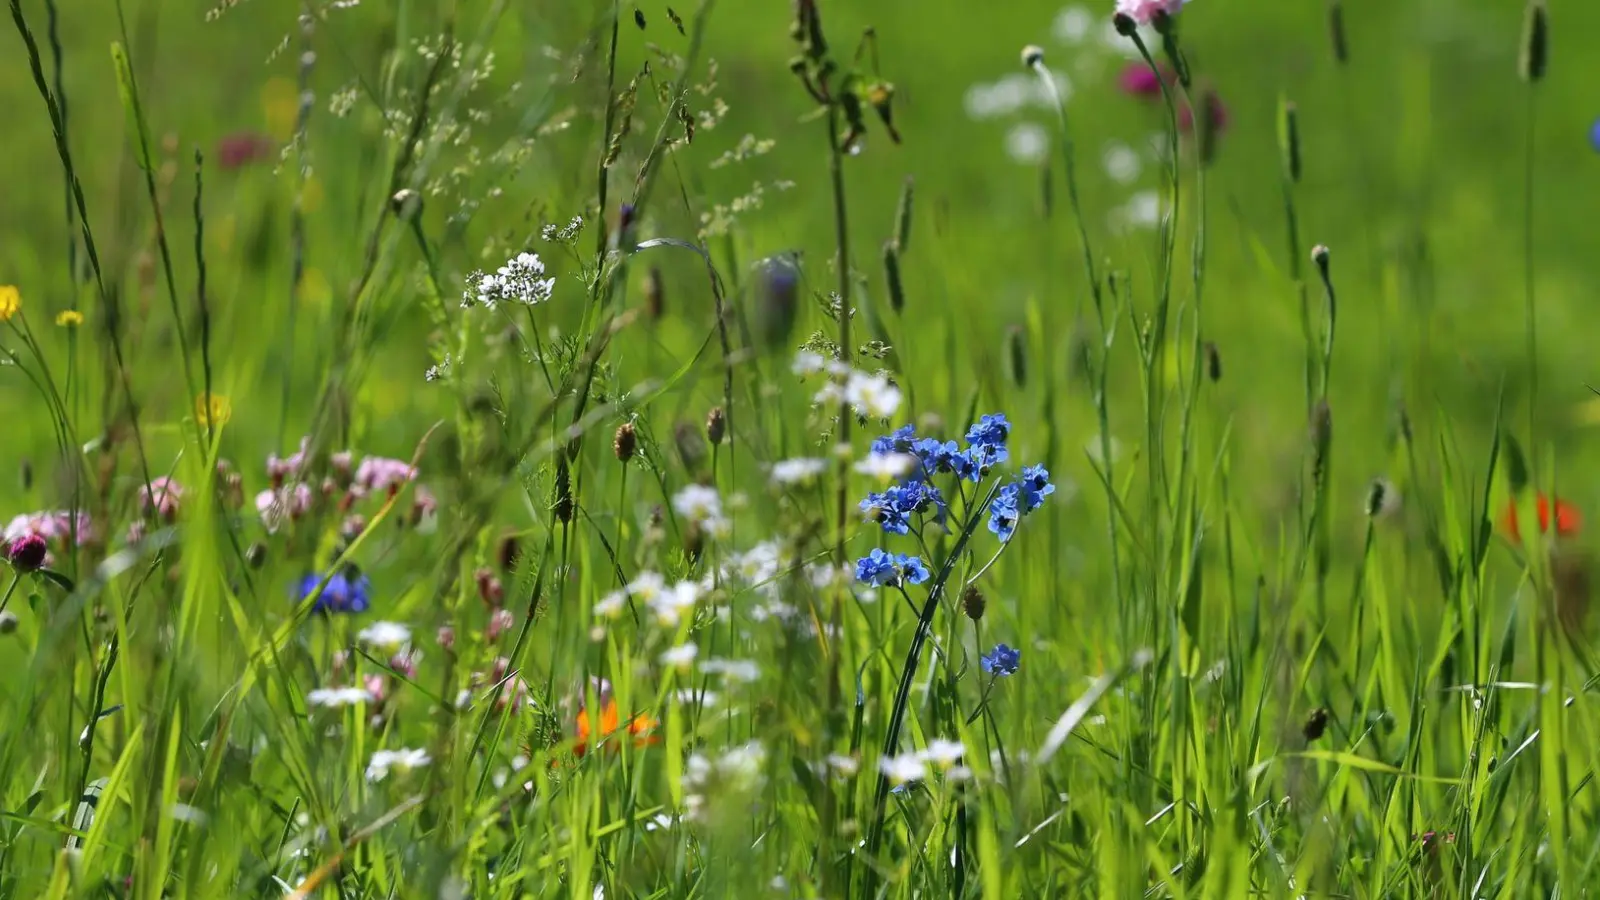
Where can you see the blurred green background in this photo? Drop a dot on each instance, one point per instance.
(1414, 157)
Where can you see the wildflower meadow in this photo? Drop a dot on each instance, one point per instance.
(874, 449)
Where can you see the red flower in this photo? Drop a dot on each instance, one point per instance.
(1567, 519)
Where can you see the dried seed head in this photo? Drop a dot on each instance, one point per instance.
(8, 623)
(1535, 42)
(1032, 55)
(973, 602)
(694, 543)
(510, 552)
(654, 295)
(716, 425)
(1319, 255)
(691, 446)
(625, 442)
(1383, 498)
(1316, 724)
(1213, 362)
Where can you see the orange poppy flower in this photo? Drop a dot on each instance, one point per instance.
(1567, 519)
(641, 727)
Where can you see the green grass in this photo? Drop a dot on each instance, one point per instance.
(1275, 637)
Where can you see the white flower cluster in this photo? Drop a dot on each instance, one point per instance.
(737, 773)
(702, 506)
(667, 603)
(941, 754)
(384, 761)
(518, 281)
(564, 234)
(871, 396)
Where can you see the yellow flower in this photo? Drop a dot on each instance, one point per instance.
(212, 410)
(10, 301)
(69, 318)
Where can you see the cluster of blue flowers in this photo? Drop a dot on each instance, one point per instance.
(1002, 660)
(900, 508)
(347, 592)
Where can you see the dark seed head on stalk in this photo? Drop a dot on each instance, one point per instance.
(1316, 724)
(564, 507)
(691, 446)
(8, 622)
(1341, 49)
(638, 17)
(973, 602)
(902, 217)
(777, 301)
(891, 277)
(1319, 255)
(1213, 362)
(1032, 55)
(1017, 356)
(1125, 25)
(625, 442)
(1535, 42)
(1321, 437)
(654, 294)
(256, 555)
(716, 425)
(694, 543)
(510, 552)
(1289, 139)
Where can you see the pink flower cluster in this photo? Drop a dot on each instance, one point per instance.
(161, 497)
(1145, 11)
(291, 496)
(54, 525)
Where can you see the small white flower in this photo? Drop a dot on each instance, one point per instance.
(610, 606)
(798, 471)
(903, 768)
(670, 605)
(680, 657)
(333, 698)
(808, 363)
(960, 773)
(1027, 142)
(1072, 24)
(886, 466)
(872, 396)
(383, 761)
(742, 671)
(846, 766)
(646, 586)
(387, 636)
(698, 503)
(1121, 162)
(943, 753)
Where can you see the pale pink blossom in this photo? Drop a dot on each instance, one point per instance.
(377, 474)
(285, 503)
(52, 525)
(1145, 11)
(161, 497)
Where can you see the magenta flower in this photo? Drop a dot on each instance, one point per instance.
(1211, 106)
(1145, 11)
(241, 148)
(28, 553)
(1137, 80)
(279, 470)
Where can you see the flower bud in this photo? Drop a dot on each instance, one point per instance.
(1124, 24)
(28, 553)
(1316, 724)
(1032, 55)
(8, 622)
(1535, 43)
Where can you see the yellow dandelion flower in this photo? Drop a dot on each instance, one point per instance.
(69, 318)
(212, 410)
(10, 301)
